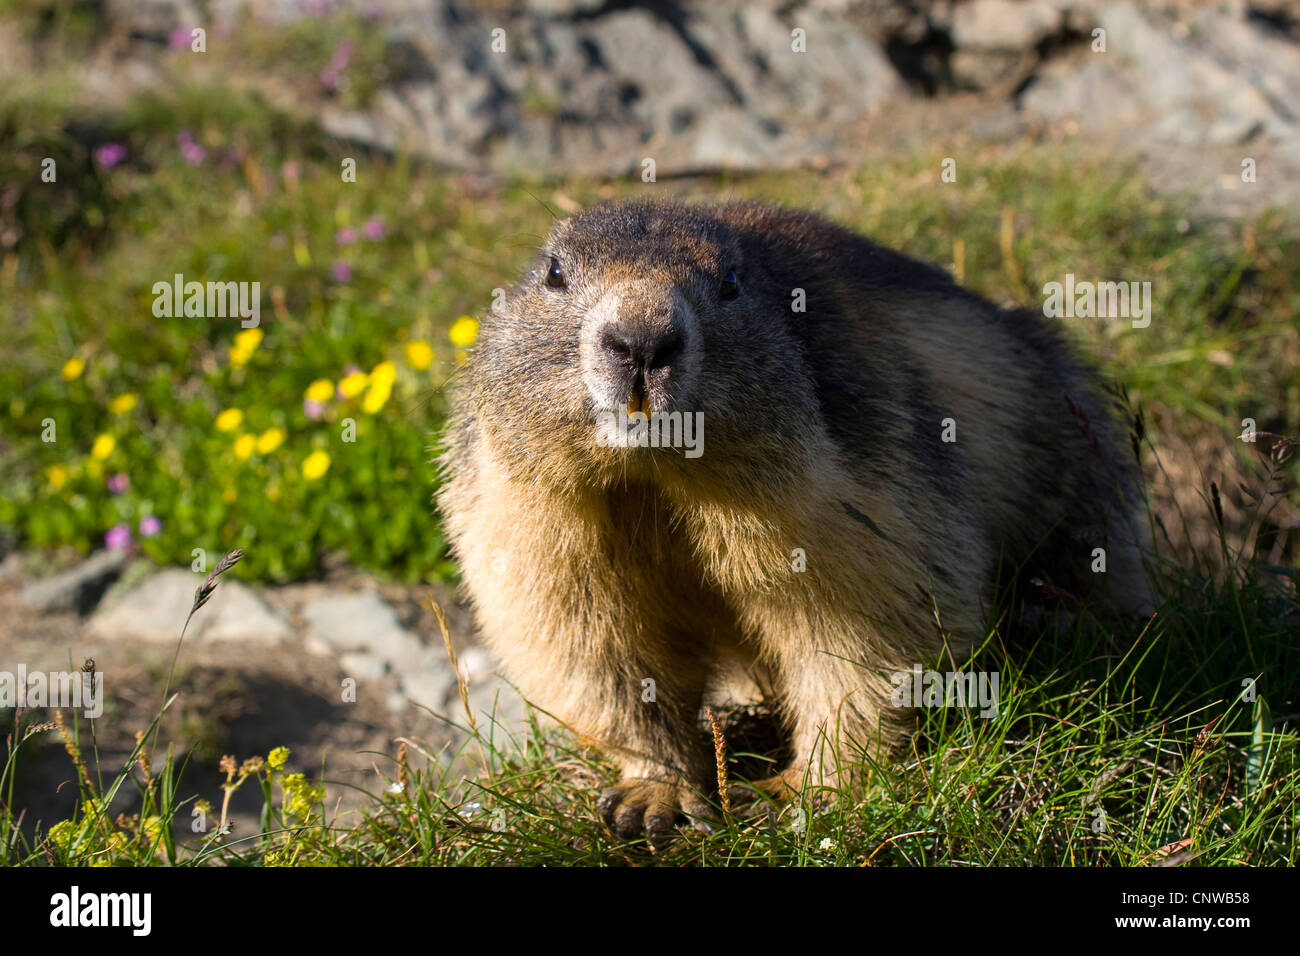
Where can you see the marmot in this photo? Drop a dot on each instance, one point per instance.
(877, 444)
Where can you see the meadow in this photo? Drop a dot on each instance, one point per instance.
(1173, 744)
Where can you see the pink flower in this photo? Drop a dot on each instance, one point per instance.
(149, 526)
(191, 150)
(342, 54)
(313, 410)
(329, 78)
(374, 228)
(341, 271)
(118, 537)
(118, 483)
(345, 236)
(110, 154)
(180, 38)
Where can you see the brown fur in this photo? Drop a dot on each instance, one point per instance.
(592, 568)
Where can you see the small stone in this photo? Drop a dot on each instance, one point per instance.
(429, 687)
(495, 700)
(78, 588)
(362, 666)
(1003, 24)
(156, 610)
(241, 615)
(476, 664)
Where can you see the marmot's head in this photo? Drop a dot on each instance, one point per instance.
(631, 318)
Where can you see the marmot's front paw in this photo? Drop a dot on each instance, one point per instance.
(634, 805)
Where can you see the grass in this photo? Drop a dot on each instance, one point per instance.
(134, 399)
(1173, 746)
(1110, 748)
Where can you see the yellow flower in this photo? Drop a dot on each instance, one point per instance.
(269, 441)
(62, 834)
(352, 385)
(123, 403)
(57, 475)
(229, 420)
(300, 796)
(103, 447)
(321, 390)
(228, 496)
(377, 396)
(381, 381)
(73, 368)
(248, 339)
(246, 343)
(277, 758)
(463, 331)
(315, 465)
(419, 355)
(244, 446)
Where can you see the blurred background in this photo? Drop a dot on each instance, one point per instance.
(378, 167)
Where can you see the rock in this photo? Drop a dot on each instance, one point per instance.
(599, 89)
(156, 609)
(431, 686)
(1220, 80)
(361, 666)
(363, 621)
(1003, 24)
(476, 664)
(11, 566)
(242, 616)
(495, 701)
(79, 588)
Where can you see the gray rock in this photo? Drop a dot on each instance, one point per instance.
(11, 566)
(373, 643)
(476, 664)
(691, 87)
(495, 701)
(363, 621)
(1003, 24)
(431, 686)
(156, 609)
(241, 615)
(362, 666)
(78, 588)
(1220, 80)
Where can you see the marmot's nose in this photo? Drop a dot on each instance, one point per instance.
(642, 347)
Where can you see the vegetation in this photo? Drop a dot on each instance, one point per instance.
(187, 432)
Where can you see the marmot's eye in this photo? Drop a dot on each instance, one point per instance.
(555, 276)
(730, 287)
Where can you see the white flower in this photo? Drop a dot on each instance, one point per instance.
(826, 844)
(396, 787)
